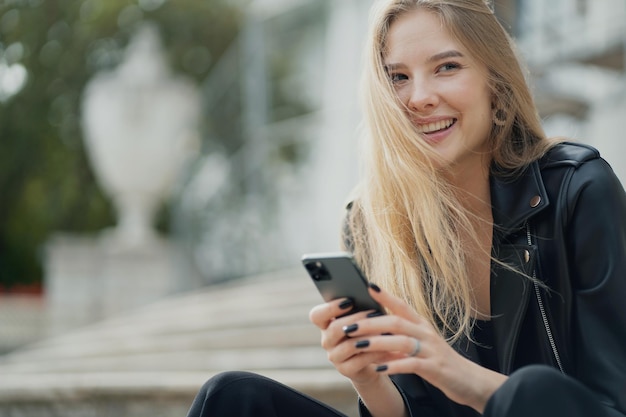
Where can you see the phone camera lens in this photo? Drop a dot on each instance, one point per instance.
(317, 270)
(311, 266)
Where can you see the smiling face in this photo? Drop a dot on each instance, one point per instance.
(444, 90)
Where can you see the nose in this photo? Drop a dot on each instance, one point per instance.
(422, 97)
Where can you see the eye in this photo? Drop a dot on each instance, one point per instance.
(449, 66)
(397, 77)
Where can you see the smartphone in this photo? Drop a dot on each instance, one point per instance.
(336, 275)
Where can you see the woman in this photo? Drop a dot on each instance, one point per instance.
(501, 254)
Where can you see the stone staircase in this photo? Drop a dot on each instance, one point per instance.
(21, 320)
(151, 361)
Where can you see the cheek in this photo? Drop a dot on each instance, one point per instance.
(403, 94)
(477, 101)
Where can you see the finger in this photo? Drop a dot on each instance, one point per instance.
(341, 329)
(351, 358)
(404, 346)
(356, 322)
(394, 304)
(361, 367)
(392, 325)
(323, 314)
(357, 353)
(406, 365)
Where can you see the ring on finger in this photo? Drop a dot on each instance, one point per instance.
(417, 348)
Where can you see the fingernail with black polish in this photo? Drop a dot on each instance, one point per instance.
(374, 287)
(351, 328)
(381, 368)
(374, 314)
(347, 303)
(362, 344)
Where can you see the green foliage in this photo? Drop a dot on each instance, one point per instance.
(46, 183)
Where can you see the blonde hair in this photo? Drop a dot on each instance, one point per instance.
(405, 224)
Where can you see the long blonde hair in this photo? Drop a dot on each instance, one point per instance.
(406, 220)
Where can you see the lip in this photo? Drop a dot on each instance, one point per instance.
(439, 123)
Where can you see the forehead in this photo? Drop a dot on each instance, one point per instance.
(419, 32)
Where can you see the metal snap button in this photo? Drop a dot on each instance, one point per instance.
(535, 201)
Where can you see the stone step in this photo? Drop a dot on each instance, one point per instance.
(154, 359)
(288, 335)
(21, 320)
(185, 360)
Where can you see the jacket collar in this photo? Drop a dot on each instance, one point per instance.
(516, 198)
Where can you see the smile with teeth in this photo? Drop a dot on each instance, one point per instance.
(435, 126)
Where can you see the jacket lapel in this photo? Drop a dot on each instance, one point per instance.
(514, 201)
(510, 292)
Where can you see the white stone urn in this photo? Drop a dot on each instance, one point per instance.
(140, 126)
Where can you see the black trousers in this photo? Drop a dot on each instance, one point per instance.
(542, 391)
(534, 391)
(244, 394)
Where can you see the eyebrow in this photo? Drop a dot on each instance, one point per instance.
(437, 57)
(445, 55)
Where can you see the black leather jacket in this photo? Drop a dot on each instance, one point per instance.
(563, 220)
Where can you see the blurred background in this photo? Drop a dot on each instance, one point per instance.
(161, 158)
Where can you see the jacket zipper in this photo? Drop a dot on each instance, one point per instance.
(544, 316)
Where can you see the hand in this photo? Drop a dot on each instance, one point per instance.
(349, 357)
(391, 341)
(351, 361)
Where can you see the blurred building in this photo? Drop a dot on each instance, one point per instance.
(292, 78)
(575, 50)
